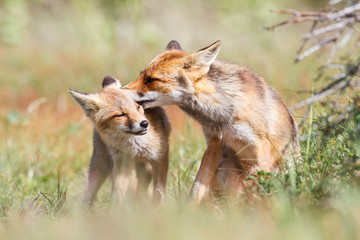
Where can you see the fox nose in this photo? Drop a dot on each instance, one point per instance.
(144, 124)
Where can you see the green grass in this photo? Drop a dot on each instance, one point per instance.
(43, 177)
(45, 141)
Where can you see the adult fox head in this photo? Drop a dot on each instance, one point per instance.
(172, 75)
(112, 110)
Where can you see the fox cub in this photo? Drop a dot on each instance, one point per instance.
(242, 117)
(127, 140)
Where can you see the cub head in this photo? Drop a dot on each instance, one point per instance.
(171, 75)
(112, 110)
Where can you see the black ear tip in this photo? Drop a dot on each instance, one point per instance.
(173, 45)
(174, 42)
(76, 91)
(212, 47)
(108, 80)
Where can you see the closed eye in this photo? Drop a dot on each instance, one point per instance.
(150, 80)
(119, 115)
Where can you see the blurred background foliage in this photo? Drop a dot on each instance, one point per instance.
(49, 46)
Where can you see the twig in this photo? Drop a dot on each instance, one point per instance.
(297, 13)
(331, 21)
(320, 96)
(291, 21)
(334, 47)
(333, 87)
(336, 27)
(346, 38)
(327, 29)
(314, 49)
(302, 122)
(333, 2)
(301, 48)
(345, 11)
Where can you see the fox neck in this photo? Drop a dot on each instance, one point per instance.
(207, 112)
(210, 105)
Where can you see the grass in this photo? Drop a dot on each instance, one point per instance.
(45, 140)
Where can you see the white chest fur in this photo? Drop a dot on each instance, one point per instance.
(134, 147)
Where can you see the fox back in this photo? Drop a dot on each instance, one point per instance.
(222, 96)
(235, 107)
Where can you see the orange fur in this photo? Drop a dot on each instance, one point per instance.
(238, 112)
(128, 141)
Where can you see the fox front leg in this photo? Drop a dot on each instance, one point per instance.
(208, 167)
(160, 169)
(100, 167)
(144, 176)
(123, 173)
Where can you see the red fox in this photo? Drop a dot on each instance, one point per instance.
(235, 108)
(127, 139)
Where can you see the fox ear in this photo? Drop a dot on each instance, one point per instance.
(88, 102)
(110, 81)
(207, 55)
(173, 45)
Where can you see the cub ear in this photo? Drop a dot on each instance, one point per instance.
(110, 81)
(173, 45)
(88, 102)
(207, 55)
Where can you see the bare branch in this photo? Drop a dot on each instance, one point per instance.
(334, 47)
(320, 96)
(291, 21)
(333, 2)
(346, 38)
(333, 87)
(344, 12)
(336, 27)
(326, 29)
(313, 26)
(297, 13)
(331, 21)
(314, 49)
(304, 118)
